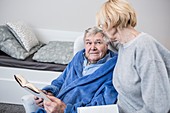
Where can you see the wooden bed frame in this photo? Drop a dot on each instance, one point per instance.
(11, 92)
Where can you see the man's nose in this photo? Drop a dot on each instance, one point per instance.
(93, 46)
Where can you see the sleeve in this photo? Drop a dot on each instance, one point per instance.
(155, 87)
(57, 83)
(108, 95)
(99, 100)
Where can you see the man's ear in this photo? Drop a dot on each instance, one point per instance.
(107, 44)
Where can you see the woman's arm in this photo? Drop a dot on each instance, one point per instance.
(155, 87)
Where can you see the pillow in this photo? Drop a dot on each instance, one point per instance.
(10, 46)
(79, 44)
(56, 52)
(24, 34)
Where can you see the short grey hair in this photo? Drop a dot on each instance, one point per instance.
(93, 31)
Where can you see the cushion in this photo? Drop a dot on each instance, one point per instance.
(24, 34)
(79, 44)
(55, 51)
(11, 46)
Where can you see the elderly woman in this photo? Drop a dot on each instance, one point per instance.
(141, 76)
(86, 81)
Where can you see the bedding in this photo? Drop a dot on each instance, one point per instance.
(12, 47)
(28, 63)
(56, 52)
(24, 34)
(21, 49)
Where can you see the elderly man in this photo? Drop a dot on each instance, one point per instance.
(87, 79)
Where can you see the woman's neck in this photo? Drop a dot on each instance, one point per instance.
(127, 34)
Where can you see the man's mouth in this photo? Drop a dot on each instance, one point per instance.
(93, 53)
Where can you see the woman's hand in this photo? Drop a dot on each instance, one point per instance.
(55, 106)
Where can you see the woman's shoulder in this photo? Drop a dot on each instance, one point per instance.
(147, 45)
(146, 41)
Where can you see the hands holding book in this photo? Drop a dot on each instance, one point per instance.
(53, 106)
(42, 98)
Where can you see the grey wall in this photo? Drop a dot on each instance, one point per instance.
(154, 18)
(69, 15)
(77, 15)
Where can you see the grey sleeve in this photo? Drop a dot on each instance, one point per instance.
(155, 87)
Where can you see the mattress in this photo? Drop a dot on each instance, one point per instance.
(28, 63)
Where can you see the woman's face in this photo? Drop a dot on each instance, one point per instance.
(112, 34)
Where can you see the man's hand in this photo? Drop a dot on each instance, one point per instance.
(39, 101)
(55, 106)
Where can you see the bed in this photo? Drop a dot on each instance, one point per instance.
(31, 65)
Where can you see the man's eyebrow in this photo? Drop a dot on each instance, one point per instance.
(87, 39)
(95, 40)
(98, 40)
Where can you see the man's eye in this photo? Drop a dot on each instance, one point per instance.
(88, 43)
(98, 42)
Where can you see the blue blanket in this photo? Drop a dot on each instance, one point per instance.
(77, 90)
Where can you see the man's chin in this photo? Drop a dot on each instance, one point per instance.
(93, 59)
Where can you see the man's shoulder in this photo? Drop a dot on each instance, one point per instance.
(113, 54)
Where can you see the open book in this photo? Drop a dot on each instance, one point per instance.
(30, 87)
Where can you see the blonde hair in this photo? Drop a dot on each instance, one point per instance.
(116, 13)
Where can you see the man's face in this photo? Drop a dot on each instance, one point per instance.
(95, 47)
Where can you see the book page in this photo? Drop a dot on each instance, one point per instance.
(30, 87)
(113, 108)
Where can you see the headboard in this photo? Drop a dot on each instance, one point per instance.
(46, 35)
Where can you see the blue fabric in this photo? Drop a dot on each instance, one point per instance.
(77, 90)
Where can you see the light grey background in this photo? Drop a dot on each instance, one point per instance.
(78, 15)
